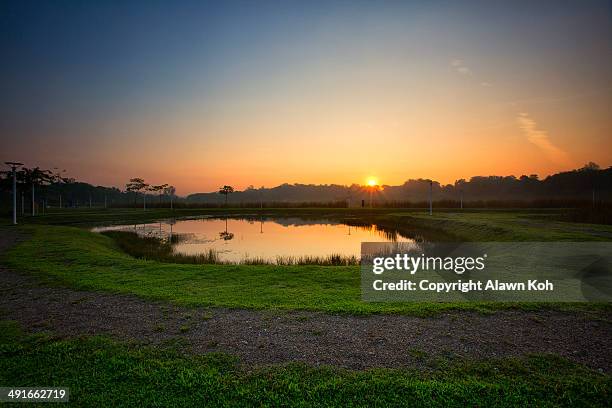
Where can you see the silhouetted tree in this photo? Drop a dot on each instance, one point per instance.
(170, 191)
(58, 180)
(137, 185)
(160, 190)
(226, 190)
(590, 166)
(35, 177)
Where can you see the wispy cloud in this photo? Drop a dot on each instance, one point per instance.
(460, 67)
(541, 139)
(561, 98)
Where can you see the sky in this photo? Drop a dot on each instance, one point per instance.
(202, 94)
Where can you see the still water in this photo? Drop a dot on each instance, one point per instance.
(235, 239)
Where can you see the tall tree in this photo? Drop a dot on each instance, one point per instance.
(152, 189)
(170, 191)
(57, 179)
(137, 185)
(36, 177)
(160, 188)
(226, 190)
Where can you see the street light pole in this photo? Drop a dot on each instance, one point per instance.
(14, 166)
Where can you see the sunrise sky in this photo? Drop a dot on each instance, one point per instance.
(200, 94)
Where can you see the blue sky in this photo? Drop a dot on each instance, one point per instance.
(91, 85)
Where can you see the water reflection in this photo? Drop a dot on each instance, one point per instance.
(226, 235)
(235, 239)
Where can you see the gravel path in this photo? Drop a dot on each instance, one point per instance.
(266, 337)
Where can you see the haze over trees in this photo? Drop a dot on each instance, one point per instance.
(137, 186)
(576, 184)
(581, 185)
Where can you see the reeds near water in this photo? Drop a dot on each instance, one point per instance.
(161, 250)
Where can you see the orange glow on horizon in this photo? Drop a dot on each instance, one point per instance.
(350, 95)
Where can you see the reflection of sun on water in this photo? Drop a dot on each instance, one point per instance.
(266, 238)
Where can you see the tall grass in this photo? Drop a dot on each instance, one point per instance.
(157, 249)
(329, 260)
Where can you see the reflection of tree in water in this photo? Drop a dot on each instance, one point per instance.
(171, 237)
(286, 221)
(225, 235)
(388, 232)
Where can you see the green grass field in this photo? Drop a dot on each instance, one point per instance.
(59, 250)
(81, 259)
(100, 372)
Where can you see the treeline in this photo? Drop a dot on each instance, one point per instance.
(493, 204)
(183, 203)
(577, 187)
(588, 186)
(38, 189)
(78, 195)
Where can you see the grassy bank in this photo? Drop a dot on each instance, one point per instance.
(81, 259)
(102, 372)
(84, 260)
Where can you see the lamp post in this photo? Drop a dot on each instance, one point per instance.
(14, 166)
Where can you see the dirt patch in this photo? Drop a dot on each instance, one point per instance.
(266, 337)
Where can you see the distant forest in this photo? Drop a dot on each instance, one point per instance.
(581, 187)
(575, 185)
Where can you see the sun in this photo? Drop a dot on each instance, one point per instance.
(372, 182)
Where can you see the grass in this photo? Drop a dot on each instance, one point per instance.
(504, 226)
(158, 249)
(100, 372)
(80, 259)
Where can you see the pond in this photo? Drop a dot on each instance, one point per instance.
(237, 239)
